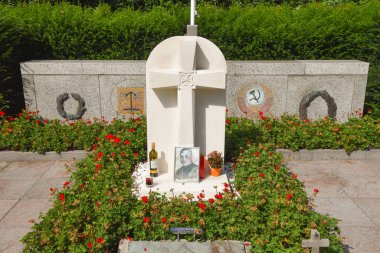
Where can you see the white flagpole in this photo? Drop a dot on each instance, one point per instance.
(192, 12)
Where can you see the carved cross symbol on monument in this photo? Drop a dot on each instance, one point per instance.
(315, 242)
(187, 77)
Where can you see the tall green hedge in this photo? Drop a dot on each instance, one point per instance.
(314, 31)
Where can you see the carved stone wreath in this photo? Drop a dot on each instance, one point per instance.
(306, 101)
(81, 109)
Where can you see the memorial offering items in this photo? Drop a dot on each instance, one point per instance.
(215, 162)
(153, 166)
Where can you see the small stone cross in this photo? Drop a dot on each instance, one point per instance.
(315, 242)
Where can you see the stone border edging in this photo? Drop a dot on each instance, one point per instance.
(17, 156)
(303, 154)
(330, 154)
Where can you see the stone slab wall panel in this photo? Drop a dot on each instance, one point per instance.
(276, 86)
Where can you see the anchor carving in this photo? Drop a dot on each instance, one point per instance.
(131, 95)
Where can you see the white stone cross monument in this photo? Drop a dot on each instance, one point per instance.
(186, 97)
(315, 242)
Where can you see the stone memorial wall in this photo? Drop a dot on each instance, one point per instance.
(116, 89)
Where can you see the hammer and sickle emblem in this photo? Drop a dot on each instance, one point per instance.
(254, 97)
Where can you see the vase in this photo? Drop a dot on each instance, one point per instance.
(216, 171)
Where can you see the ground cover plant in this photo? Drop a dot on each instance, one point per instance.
(314, 31)
(97, 208)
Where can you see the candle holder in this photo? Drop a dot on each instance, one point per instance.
(149, 181)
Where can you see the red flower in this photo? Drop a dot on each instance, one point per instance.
(88, 121)
(97, 167)
(226, 110)
(262, 175)
(202, 206)
(146, 219)
(100, 154)
(277, 167)
(261, 113)
(228, 121)
(97, 204)
(138, 119)
(37, 122)
(257, 154)
(263, 117)
(131, 129)
(250, 178)
(316, 190)
(126, 142)
(89, 245)
(218, 196)
(136, 154)
(225, 189)
(110, 136)
(201, 196)
(45, 121)
(211, 200)
(163, 220)
(117, 140)
(94, 147)
(2, 113)
(225, 185)
(66, 183)
(100, 240)
(144, 199)
(289, 196)
(10, 118)
(294, 175)
(62, 197)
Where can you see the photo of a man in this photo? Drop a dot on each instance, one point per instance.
(187, 165)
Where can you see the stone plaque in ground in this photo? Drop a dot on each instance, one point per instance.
(126, 246)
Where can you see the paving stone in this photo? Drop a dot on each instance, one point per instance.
(5, 206)
(329, 184)
(15, 188)
(3, 165)
(360, 186)
(344, 209)
(59, 169)
(25, 211)
(10, 239)
(181, 246)
(41, 190)
(361, 239)
(26, 169)
(371, 207)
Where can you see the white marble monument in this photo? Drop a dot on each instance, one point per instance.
(186, 100)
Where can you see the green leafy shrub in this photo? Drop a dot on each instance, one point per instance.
(97, 207)
(290, 132)
(315, 31)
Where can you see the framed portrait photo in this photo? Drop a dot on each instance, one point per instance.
(186, 165)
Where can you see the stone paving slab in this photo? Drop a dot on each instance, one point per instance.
(21, 215)
(181, 247)
(42, 189)
(371, 208)
(344, 209)
(361, 239)
(348, 190)
(10, 239)
(15, 188)
(3, 165)
(26, 169)
(59, 169)
(6, 206)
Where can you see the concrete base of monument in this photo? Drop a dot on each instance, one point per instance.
(164, 184)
